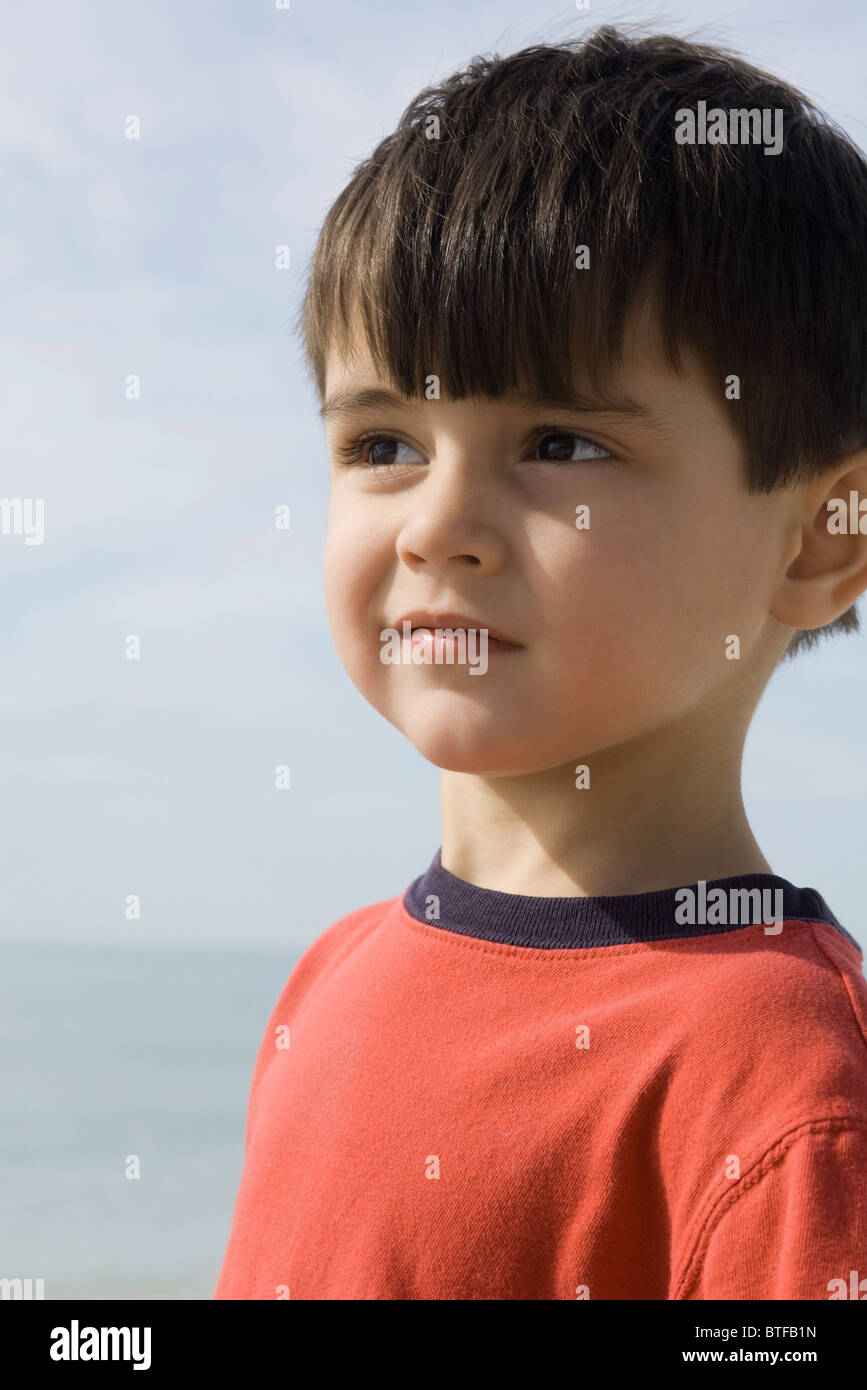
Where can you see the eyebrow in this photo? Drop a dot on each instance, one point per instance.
(347, 401)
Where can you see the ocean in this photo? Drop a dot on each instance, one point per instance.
(109, 1053)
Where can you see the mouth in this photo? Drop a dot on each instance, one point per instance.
(425, 623)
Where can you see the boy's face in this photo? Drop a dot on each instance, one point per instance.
(621, 626)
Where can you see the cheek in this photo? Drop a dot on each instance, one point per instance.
(353, 573)
(635, 616)
(603, 586)
(349, 560)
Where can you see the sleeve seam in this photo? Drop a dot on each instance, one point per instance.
(769, 1159)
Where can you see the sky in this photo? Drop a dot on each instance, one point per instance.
(155, 258)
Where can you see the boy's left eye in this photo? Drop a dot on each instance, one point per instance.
(559, 447)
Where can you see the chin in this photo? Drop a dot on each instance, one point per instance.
(482, 752)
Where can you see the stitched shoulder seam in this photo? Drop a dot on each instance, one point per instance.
(770, 1157)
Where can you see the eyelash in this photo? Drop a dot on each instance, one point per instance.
(351, 453)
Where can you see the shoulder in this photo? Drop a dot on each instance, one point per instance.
(771, 1077)
(317, 962)
(767, 1033)
(791, 1005)
(338, 941)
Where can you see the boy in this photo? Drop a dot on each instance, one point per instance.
(600, 1049)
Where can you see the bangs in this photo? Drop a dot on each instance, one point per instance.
(457, 260)
(487, 307)
(501, 235)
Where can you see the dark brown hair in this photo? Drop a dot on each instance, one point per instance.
(459, 250)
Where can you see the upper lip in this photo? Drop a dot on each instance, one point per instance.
(426, 617)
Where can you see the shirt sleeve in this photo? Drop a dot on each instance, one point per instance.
(795, 1226)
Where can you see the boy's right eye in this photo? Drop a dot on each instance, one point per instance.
(383, 451)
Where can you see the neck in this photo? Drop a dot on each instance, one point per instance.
(663, 810)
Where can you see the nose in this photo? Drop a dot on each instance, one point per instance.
(453, 517)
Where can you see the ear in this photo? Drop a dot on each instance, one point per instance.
(829, 570)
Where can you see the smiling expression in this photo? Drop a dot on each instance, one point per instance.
(469, 507)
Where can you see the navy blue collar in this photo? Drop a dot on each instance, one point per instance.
(698, 909)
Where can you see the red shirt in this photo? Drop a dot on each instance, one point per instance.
(560, 1098)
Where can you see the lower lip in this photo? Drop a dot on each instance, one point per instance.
(448, 649)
